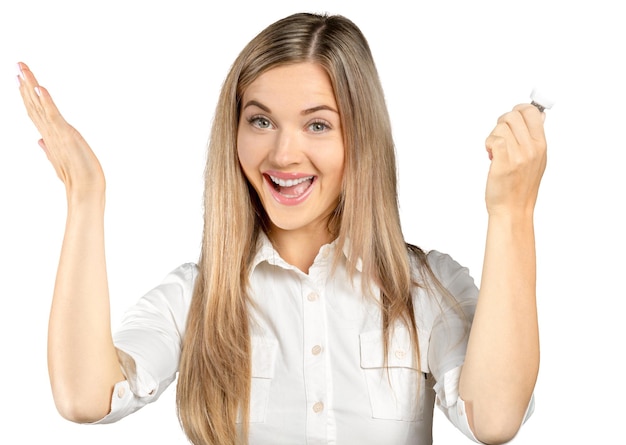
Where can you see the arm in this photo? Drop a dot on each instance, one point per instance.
(82, 360)
(502, 358)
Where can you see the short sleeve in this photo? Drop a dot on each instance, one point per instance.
(149, 341)
(452, 319)
(449, 335)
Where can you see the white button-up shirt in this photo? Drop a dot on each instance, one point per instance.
(318, 374)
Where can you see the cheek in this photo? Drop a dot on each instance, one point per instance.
(338, 166)
(246, 155)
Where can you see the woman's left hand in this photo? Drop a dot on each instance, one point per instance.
(517, 149)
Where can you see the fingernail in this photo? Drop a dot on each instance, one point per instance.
(38, 91)
(19, 70)
(19, 81)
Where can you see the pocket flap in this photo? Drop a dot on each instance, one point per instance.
(400, 354)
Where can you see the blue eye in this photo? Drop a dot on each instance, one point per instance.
(260, 122)
(318, 126)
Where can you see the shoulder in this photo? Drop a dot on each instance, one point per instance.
(444, 266)
(436, 269)
(167, 302)
(185, 272)
(176, 285)
(182, 274)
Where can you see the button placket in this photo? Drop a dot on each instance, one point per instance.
(314, 365)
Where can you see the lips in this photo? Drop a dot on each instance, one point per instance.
(289, 189)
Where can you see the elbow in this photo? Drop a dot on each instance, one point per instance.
(497, 428)
(82, 409)
(496, 434)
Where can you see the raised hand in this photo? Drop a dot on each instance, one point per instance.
(502, 359)
(70, 155)
(82, 359)
(517, 148)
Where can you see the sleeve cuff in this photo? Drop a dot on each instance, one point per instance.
(123, 403)
(135, 392)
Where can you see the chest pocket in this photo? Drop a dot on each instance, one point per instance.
(263, 363)
(396, 392)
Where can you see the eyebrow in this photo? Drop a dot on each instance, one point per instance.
(258, 104)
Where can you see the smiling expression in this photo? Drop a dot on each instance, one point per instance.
(290, 146)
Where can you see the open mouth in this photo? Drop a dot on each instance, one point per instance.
(291, 188)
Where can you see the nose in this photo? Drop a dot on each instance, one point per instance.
(287, 148)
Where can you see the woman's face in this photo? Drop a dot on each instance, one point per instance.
(290, 146)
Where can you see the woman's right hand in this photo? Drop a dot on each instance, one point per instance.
(72, 158)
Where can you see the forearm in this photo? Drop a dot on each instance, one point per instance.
(502, 358)
(82, 360)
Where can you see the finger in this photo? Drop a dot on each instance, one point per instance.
(27, 90)
(516, 123)
(42, 144)
(489, 145)
(35, 91)
(25, 74)
(30, 92)
(498, 141)
(39, 104)
(50, 110)
(28, 82)
(495, 146)
(534, 120)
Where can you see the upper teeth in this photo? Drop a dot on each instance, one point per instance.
(289, 182)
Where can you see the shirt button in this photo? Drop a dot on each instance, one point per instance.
(316, 350)
(312, 296)
(318, 407)
(121, 392)
(400, 354)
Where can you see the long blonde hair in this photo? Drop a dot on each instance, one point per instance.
(215, 368)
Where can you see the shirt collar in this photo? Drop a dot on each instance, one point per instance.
(265, 252)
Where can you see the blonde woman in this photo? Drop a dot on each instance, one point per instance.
(308, 318)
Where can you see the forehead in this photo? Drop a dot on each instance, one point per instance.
(299, 84)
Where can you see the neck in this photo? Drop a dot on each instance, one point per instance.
(299, 247)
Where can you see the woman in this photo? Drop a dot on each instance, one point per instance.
(308, 318)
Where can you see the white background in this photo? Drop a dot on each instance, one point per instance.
(140, 79)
